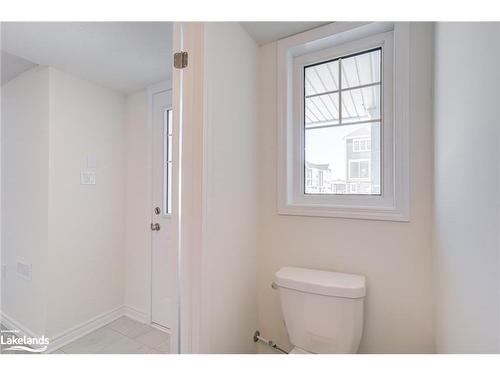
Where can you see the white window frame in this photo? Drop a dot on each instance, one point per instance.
(327, 42)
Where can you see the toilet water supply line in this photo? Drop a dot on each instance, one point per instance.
(259, 338)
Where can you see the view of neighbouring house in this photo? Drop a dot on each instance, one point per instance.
(362, 166)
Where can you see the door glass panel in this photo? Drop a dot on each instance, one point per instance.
(167, 161)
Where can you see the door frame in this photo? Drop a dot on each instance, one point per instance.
(151, 91)
(189, 96)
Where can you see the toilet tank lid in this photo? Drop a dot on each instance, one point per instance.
(322, 282)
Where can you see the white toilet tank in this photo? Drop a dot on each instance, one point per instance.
(323, 311)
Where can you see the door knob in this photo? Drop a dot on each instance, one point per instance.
(155, 226)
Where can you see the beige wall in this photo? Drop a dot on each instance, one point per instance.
(86, 222)
(395, 257)
(229, 287)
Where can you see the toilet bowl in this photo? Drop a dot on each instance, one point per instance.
(322, 310)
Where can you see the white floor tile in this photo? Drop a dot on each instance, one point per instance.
(129, 327)
(92, 343)
(123, 336)
(123, 345)
(147, 350)
(157, 340)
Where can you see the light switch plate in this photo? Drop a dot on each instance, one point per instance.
(87, 178)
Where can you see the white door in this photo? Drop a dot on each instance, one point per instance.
(163, 258)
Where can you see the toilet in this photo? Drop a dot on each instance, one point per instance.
(323, 311)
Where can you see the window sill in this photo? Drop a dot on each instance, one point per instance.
(346, 212)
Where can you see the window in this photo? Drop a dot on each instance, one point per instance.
(167, 161)
(360, 145)
(343, 148)
(359, 169)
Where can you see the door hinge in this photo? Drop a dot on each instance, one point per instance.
(180, 60)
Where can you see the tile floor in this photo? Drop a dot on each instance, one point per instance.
(122, 336)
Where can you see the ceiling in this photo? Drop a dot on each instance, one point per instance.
(265, 32)
(12, 66)
(125, 56)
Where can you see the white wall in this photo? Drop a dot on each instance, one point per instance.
(467, 185)
(86, 222)
(395, 257)
(229, 300)
(72, 234)
(137, 206)
(25, 181)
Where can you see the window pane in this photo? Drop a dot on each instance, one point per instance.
(170, 121)
(361, 104)
(342, 156)
(322, 110)
(169, 197)
(321, 78)
(169, 157)
(362, 69)
(333, 167)
(167, 161)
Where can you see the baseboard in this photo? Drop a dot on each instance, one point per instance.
(135, 314)
(80, 330)
(14, 325)
(161, 328)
